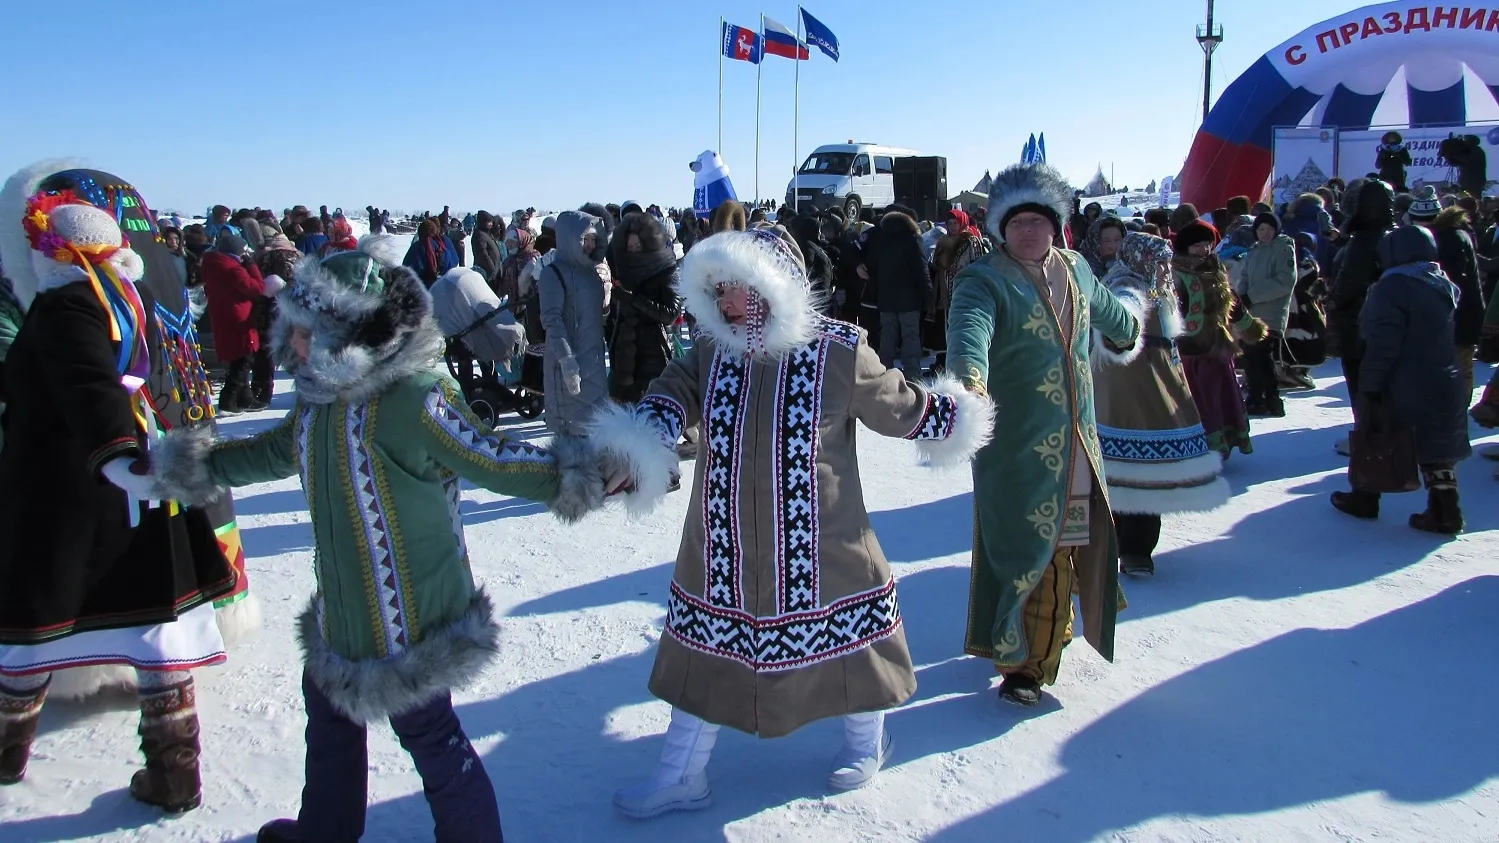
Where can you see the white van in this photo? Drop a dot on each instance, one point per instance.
(851, 176)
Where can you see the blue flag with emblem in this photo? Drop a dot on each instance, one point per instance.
(820, 36)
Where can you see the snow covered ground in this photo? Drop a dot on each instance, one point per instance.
(1290, 674)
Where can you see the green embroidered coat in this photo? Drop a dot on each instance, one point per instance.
(394, 592)
(1003, 338)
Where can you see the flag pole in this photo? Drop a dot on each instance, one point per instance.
(796, 113)
(759, 72)
(719, 150)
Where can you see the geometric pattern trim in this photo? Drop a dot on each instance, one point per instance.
(664, 414)
(786, 642)
(1152, 445)
(480, 444)
(370, 509)
(794, 477)
(937, 419)
(727, 398)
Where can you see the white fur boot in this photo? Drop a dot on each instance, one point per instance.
(866, 747)
(680, 782)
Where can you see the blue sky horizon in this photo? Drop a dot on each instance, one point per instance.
(496, 106)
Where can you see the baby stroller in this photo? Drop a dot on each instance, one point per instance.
(481, 334)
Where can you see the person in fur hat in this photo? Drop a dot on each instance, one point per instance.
(96, 569)
(1213, 322)
(1028, 322)
(782, 608)
(381, 440)
(1156, 458)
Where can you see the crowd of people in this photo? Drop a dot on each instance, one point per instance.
(1087, 367)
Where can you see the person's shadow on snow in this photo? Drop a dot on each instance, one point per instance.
(1395, 705)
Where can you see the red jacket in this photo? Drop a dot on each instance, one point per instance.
(233, 288)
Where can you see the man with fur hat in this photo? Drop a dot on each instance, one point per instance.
(381, 440)
(782, 608)
(1028, 322)
(95, 568)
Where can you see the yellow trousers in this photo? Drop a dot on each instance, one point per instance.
(1048, 620)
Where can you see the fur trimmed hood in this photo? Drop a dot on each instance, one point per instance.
(362, 341)
(761, 262)
(1024, 184)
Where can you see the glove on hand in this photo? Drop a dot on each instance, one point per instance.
(120, 472)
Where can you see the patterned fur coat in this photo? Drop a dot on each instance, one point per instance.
(782, 607)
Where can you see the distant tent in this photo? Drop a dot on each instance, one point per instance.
(984, 184)
(1099, 186)
(969, 200)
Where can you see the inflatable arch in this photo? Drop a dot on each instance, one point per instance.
(1338, 71)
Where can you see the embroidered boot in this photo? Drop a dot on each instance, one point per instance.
(169, 740)
(866, 748)
(20, 711)
(680, 782)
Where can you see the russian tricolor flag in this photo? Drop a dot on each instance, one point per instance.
(779, 41)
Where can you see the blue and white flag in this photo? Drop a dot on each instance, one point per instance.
(819, 36)
(1041, 149)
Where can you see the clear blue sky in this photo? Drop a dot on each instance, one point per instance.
(500, 104)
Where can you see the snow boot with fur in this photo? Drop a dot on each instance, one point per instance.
(20, 711)
(1357, 503)
(866, 748)
(169, 740)
(680, 782)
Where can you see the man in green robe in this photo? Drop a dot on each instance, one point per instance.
(1026, 325)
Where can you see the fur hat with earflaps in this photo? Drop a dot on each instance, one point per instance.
(1028, 187)
(369, 319)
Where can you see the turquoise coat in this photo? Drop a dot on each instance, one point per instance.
(1003, 338)
(396, 617)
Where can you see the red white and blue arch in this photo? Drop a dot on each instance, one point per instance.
(1337, 72)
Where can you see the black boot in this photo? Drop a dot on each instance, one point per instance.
(19, 714)
(1442, 515)
(279, 831)
(1137, 564)
(1357, 503)
(1020, 689)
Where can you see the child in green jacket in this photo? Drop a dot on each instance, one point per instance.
(381, 440)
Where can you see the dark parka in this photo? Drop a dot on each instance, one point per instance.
(486, 250)
(646, 305)
(1409, 358)
(897, 267)
(820, 272)
(1371, 208)
(1459, 260)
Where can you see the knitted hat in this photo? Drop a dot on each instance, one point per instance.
(230, 244)
(51, 238)
(1196, 231)
(1424, 203)
(1265, 219)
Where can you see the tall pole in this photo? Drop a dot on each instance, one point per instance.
(796, 106)
(719, 150)
(1208, 37)
(759, 73)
